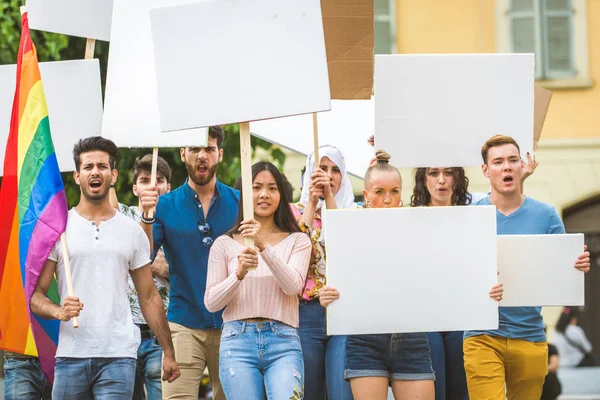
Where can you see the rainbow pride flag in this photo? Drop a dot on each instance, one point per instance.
(33, 213)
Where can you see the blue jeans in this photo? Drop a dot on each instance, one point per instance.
(93, 378)
(447, 358)
(259, 359)
(25, 380)
(396, 356)
(148, 370)
(323, 356)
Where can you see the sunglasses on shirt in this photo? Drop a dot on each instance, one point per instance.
(204, 228)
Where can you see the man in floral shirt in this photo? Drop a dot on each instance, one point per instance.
(148, 370)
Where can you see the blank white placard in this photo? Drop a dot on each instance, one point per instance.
(347, 126)
(438, 110)
(131, 103)
(229, 61)
(411, 269)
(74, 99)
(538, 270)
(83, 18)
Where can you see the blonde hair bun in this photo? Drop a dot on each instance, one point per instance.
(382, 157)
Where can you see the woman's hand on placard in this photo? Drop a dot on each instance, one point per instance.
(327, 295)
(248, 259)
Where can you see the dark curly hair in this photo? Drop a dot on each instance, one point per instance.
(460, 196)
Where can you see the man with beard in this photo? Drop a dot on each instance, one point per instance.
(188, 220)
(98, 359)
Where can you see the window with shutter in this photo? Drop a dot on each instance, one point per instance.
(544, 27)
(385, 28)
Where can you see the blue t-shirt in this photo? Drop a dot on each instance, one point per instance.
(178, 217)
(532, 218)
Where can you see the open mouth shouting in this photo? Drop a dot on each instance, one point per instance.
(202, 169)
(95, 184)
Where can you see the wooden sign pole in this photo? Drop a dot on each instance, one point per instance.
(153, 175)
(246, 162)
(316, 141)
(63, 242)
(89, 54)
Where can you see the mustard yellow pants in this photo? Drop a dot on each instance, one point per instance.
(499, 368)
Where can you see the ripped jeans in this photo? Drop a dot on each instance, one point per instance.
(261, 360)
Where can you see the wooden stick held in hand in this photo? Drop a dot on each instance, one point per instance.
(65, 251)
(246, 163)
(153, 175)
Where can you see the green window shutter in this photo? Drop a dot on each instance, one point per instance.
(524, 33)
(557, 32)
(383, 27)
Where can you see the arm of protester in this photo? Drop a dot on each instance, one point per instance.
(160, 266)
(327, 295)
(528, 169)
(583, 261)
(220, 285)
(42, 306)
(148, 202)
(154, 314)
(497, 292)
(316, 191)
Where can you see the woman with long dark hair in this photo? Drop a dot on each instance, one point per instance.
(260, 352)
(444, 187)
(573, 346)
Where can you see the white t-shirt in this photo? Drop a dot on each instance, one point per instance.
(101, 258)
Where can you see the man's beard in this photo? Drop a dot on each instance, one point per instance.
(200, 180)
(94, 198)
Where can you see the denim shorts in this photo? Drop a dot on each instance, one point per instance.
(396, 356)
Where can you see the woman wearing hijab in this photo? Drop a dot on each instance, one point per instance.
(324, 185)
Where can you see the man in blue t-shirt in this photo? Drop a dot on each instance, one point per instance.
(187, 221)
(512, 361)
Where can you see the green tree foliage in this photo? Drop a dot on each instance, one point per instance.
(54, 47)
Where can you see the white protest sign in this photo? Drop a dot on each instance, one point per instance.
(229, 61)
(347, 127)
(438, 110)
(411, 269)
(538, 270)
(131, 116)
(85, 18)
(74, 99)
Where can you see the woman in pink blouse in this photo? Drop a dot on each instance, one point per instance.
(325, 185)
(260, 352)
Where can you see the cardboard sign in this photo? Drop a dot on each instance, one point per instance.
(84, 18)
(542, 103)
(74, 98)
(438, 110)
(416, 270)
(347, 126)
(131, 117)
(250, 61)
(349, 40)
(538, 270)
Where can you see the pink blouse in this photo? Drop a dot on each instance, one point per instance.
(271, 291)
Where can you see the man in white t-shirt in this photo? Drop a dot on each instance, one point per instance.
(98, 359)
